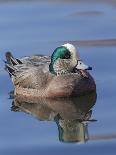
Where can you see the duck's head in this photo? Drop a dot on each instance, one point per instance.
(65, 59)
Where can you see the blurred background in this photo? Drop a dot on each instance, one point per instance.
(30, 27)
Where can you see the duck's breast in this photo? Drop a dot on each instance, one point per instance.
(70, 85)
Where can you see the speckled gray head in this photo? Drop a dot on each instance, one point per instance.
(65, 59)
(76, 57)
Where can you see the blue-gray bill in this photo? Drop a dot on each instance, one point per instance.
(82, 68)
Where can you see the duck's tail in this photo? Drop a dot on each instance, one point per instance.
(10, 63)
(11, 60)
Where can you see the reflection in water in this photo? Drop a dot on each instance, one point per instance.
(72, 130)
(70, 114)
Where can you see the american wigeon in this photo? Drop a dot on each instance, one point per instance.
(61, 75)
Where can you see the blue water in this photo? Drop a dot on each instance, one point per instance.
(28, 28)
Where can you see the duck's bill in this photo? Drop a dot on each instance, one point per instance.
(82, 68)
(81, 65)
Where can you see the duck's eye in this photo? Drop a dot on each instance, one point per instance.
(66, 56)
(79, 62)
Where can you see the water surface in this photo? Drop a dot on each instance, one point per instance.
(28, 28)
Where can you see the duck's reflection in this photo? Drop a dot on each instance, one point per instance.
(70, 114)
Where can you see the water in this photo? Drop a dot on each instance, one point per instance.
(33, 27)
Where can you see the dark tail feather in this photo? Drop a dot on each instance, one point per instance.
(19, 61)
(10, 69)
(10, 63)
(8, 57)
(11, 60)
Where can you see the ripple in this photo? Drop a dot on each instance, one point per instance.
(104, 137)
(94, 43)
(87, 13)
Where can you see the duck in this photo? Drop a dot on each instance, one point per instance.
(63, 74)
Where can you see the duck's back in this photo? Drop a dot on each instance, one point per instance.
(36, 60)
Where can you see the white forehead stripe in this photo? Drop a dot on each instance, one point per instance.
(72, 49)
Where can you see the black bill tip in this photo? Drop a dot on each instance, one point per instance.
(89, 68)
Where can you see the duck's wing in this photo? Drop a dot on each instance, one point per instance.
(12, 64)
(28, 76)
(30, 72)
(36, 60)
